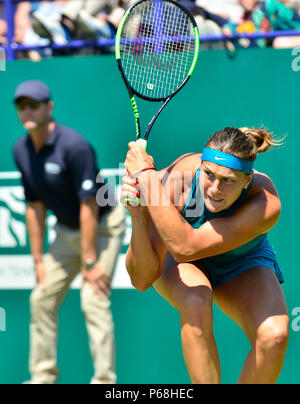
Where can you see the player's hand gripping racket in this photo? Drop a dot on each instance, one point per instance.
(157, 48)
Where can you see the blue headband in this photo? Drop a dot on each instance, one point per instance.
(227, 160)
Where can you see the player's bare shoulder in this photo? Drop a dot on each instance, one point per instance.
(177, 179)
(187, 162)
(262, 184)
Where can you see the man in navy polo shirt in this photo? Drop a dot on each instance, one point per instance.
(59, 173)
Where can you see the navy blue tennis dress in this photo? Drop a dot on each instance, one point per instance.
(225, 267)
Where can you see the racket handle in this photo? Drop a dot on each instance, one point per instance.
(137, 200)
(143, 143)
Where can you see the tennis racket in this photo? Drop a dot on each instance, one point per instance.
(157, 48)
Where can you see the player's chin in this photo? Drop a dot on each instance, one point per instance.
(215, 205)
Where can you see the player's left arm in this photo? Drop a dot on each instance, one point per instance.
(257, 216)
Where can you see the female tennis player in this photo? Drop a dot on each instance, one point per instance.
(212, 246)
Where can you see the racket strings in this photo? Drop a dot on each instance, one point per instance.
(157, 48)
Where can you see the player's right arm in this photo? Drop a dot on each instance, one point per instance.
(146, 254)
(36, 224)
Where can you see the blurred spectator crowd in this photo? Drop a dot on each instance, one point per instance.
(45, 22)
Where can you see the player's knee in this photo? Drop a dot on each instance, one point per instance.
(273, 335)
(93, 303)
(41, 303)
(196, 309)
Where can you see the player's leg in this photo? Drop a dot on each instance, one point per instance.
(97, 310)
(62, 266)
(187, 289)
(254, 300)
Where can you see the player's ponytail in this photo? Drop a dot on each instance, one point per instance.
(244, 143)
(262, 138)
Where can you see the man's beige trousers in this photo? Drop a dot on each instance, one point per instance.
(63, 264)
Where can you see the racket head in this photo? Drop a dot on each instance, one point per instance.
(157, 48)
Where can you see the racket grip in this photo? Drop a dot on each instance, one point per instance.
(143, 143)
(137, 200)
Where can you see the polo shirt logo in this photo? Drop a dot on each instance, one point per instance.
(53, 168)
